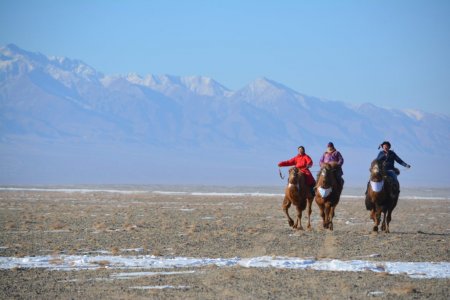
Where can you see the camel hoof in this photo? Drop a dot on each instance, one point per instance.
(291, 223)
(298, 226)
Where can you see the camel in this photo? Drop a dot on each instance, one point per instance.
(328, 192)
(298, 194)
(380, 197)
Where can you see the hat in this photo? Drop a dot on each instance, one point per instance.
(330, 144)
(386, 143)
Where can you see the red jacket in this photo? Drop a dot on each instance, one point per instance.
(302, 162)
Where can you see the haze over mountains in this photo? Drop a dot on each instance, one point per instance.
(63, 122)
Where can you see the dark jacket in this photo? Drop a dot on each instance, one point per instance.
(387, 160)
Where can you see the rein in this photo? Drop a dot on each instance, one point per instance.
(282, 176)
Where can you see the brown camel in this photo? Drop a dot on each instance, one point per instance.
(298, 194)
(379, 198)
(328, 192)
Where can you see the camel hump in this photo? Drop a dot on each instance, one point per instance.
(326, 166)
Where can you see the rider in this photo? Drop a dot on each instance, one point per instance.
(333, 157)
(387, 157)
(303, 162)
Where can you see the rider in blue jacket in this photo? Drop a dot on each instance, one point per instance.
(387, 158)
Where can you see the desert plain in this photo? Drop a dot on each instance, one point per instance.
(105, 227)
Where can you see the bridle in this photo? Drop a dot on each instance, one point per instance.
(324, 192)
(376, 172)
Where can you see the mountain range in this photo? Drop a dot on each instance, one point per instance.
(62, 121)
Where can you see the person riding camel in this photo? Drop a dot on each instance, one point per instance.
(387, 157)
(303, 162)
(335, 159)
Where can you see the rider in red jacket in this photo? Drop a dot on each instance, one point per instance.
(302, 161)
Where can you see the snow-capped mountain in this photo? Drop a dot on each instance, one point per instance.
(264, 92)
(77, 110)
(174, 86)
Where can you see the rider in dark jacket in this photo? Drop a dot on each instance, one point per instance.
(387, 158)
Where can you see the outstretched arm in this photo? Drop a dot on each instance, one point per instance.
(400, 161)
(287, 163)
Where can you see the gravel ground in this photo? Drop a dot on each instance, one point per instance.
(53, 223)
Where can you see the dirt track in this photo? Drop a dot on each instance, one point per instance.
(41, 223)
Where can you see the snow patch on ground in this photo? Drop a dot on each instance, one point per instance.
(86, 262)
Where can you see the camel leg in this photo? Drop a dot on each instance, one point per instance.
(298, 222)
(377, 218)
(309, 209)
(285, 206)
(327, 215)
(388, 220)
(331, 217)
(322, 214)
(373, 216)
(383, 223)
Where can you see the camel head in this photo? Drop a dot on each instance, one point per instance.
(293, 176)
(376, 171)
(324, 175)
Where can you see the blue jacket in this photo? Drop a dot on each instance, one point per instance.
(387, 159)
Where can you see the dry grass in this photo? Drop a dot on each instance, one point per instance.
(100, 226)
(10, 225)
(192, 229)
(19, 254)
(73, 251)
(383, 274)
(405, 290)
(102, 263)
(156, 252)
(56, 261)
(58, 225)
(130, 227)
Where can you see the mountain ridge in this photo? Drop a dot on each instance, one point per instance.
(60, 101)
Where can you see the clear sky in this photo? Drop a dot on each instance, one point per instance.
(392, 53)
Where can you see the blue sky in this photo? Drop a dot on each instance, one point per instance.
(390, 53)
